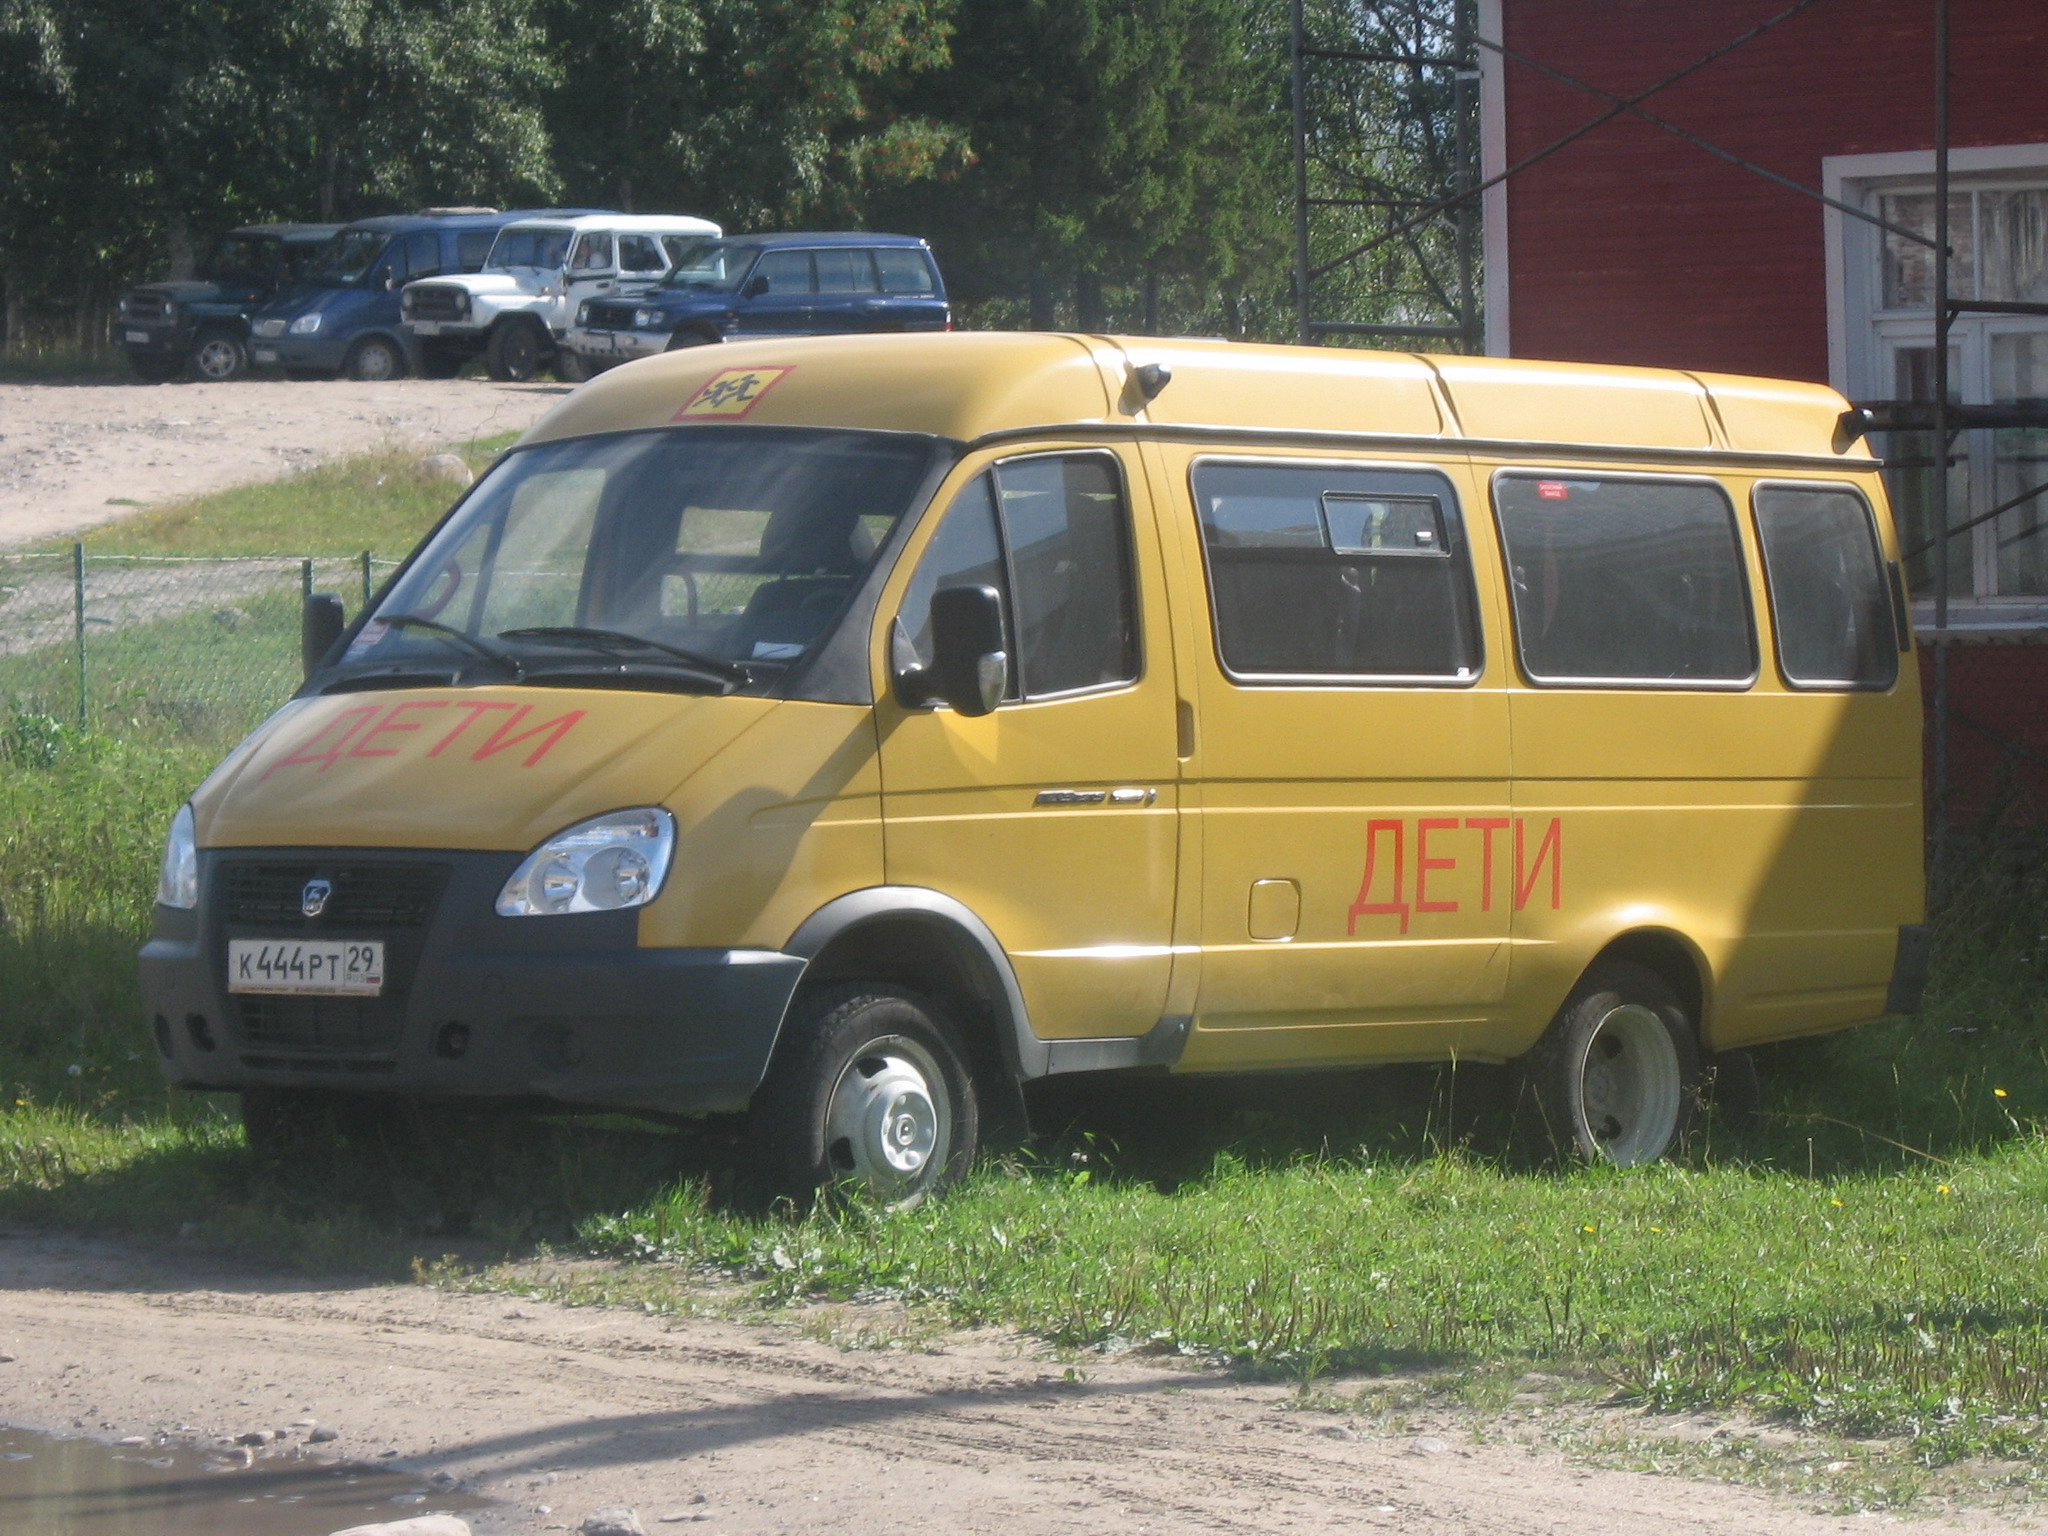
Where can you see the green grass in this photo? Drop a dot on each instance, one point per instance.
(62, 363)
(376, 501)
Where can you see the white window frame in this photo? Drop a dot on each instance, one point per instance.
(1860, 332)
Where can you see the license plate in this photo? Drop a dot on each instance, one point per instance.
(328, 967)
(136, 336)
(265, 354)
(426, 327)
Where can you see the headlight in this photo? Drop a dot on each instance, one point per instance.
(306, 325)
(648, 319)
(583, 313)
(601, 865)
(177, 882)
(268, 329)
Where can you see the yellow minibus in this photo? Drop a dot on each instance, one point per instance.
(852, 730)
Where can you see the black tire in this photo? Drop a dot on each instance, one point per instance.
(683, 339)
(572, 367)
(513, 353)
(375, 360)
(152, 369)
(440, 362)
(1616, 1077)
(218, 356)
(869, 1095)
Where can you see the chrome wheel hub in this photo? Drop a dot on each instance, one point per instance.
(1630, 1087)
(888, 1126)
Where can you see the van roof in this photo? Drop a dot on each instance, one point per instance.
(294, 233)
(407, 223)
(971, 385)
(631, 223)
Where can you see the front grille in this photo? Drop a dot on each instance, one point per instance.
(611, 317)
(145, 308)
(379, 896)
(437, 303)
(356, 1025)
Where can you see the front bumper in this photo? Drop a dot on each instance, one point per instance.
(165, 342)
(319, 353)
(563, 1008)
(615, 346)
(448, 335)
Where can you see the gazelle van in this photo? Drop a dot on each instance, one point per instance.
(850, 731)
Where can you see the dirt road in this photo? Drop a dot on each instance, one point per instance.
(756, 1429)
(76, 455)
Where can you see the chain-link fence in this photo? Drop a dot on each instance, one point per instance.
(130, 644)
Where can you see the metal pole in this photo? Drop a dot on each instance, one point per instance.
(1463, 79)
(1941, 444)
(1301, 316)
(366, 578)
(305, 579)
(78, 622)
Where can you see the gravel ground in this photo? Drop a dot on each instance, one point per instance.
(73, 456)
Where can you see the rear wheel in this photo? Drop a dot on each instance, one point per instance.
(572, 367)
(512, 354)
(869, 1094)
(375, 360)
(1616, 1077)
(219, 357)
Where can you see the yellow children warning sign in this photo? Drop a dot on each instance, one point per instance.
(731, 393)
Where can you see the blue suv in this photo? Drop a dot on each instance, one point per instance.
(344, 318)
(746, 286)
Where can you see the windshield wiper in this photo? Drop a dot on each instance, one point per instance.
(468, 642)
(613, 639)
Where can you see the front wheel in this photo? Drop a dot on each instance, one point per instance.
(869, 1094)
(219, 357)
(1616, 1077)
(512, 354)
(375, 360)
(572, 367)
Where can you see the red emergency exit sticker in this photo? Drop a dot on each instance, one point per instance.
(1552, 490)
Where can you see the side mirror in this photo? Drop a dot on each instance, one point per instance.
(320, 624)
(970, 668)
(756, 286)
(389, 281)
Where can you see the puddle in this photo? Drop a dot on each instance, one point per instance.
(67, 1487)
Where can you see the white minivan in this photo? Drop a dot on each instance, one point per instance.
(538, 273)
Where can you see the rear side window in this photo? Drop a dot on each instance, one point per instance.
(903, 269)
(1320, 571)
(785, 272)
(1625, 582)
(422, 257)
(844, 271)
(639, 253)
(473, 249)
(1052, 536)
(1830, 605)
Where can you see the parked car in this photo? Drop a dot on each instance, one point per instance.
(770, 285)
(200, 326)
(537, 275)
(343, 316)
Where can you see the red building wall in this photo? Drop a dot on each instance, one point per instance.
(1631, 246)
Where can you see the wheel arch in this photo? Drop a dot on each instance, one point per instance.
(1673, 956)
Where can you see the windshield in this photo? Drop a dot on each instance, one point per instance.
(718, 264)
(349, 257)
(529, 248)
(700, 558)
(244, 259)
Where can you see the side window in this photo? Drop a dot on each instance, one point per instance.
(1830, 605)
(1325, 570)
(1624, 582)
(422, 256)
(844, 271)
(1050, 534)
(786, 272)
(473, 249)
(593, 253)
(639, 253)
(903, 269)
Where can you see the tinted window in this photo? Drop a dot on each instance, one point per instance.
(903, 269)
(639, 253)
(844, 272)
(967, 551)
(1829, 602)
(785, 272)
(1063, 520)
(1625, 580)
(422, 257)
(473, 249)
(1323, 570)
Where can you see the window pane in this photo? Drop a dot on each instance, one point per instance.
(2019, 376)
(472, 249)
(1625, 580)
(903, 269)
(844, 272)
(1319, 570)
(1909, 265)
(1076, 624)
(2015, 244)
(593, 253)
(639, 253)
(1828, 593)
(786, 271)
(965, 552)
